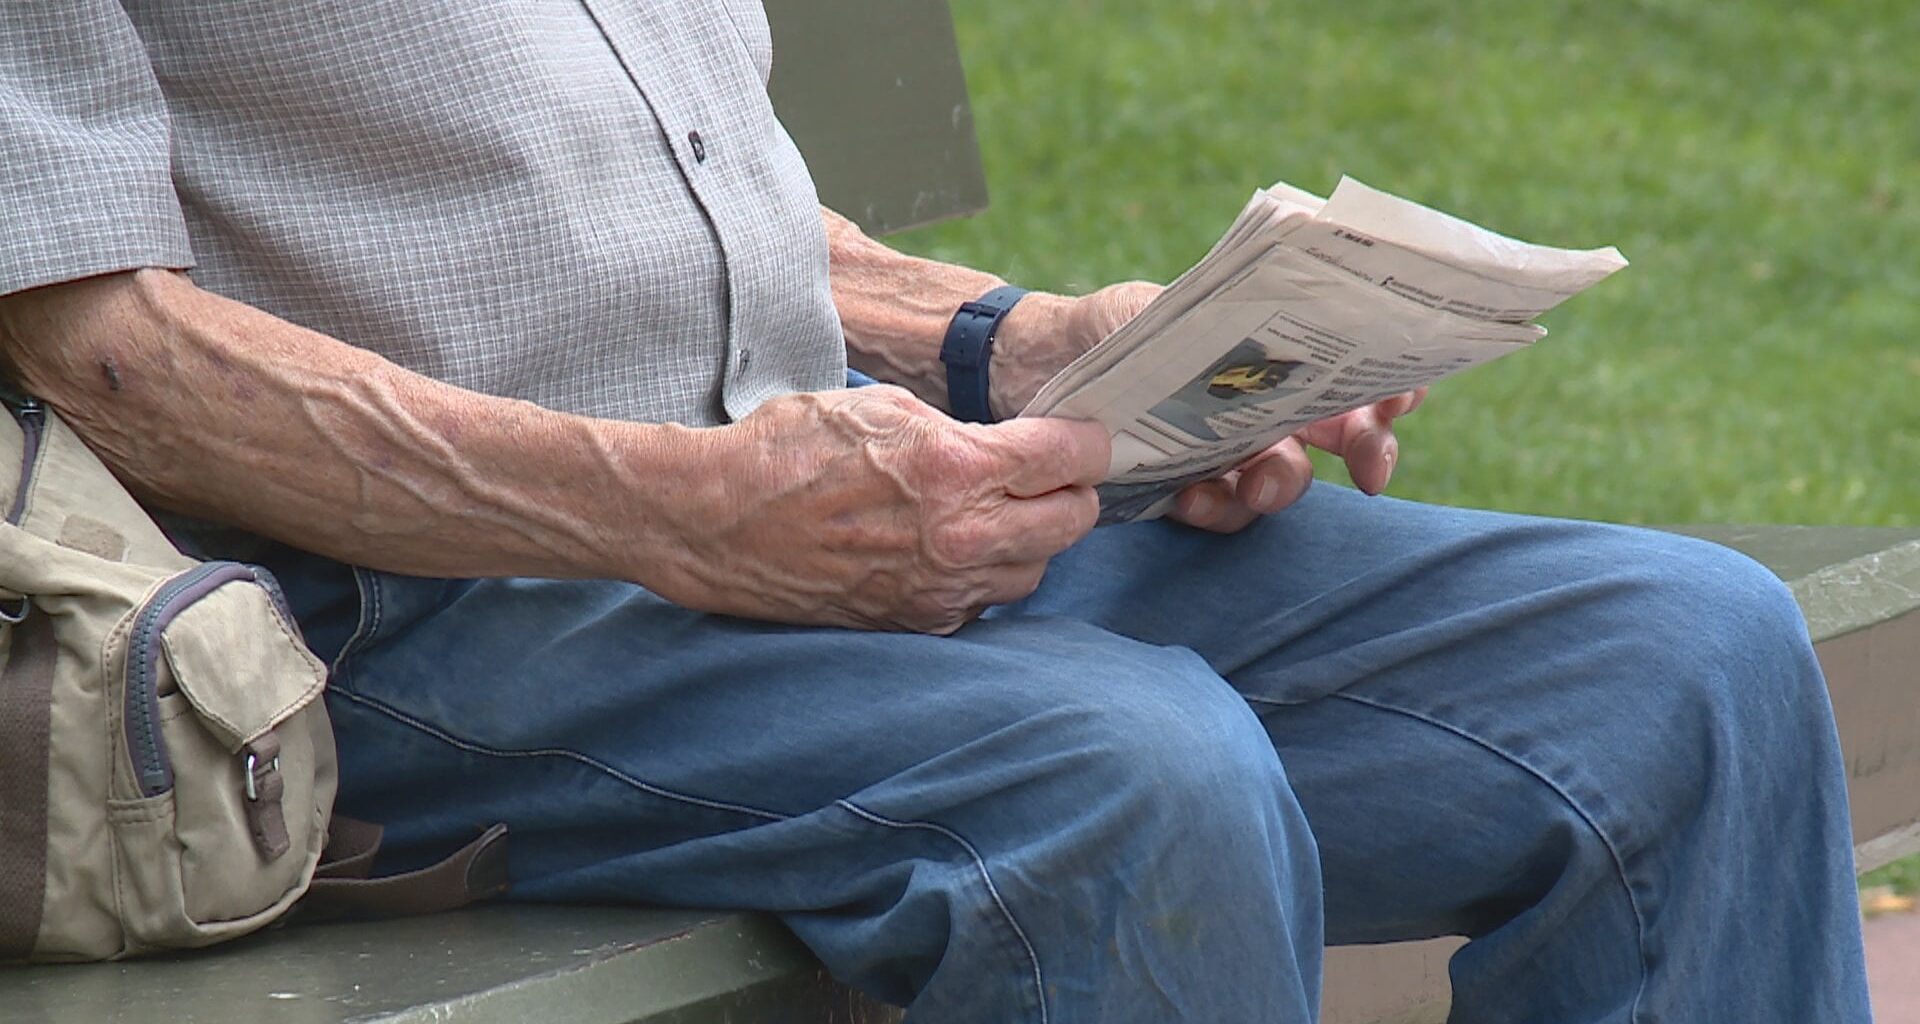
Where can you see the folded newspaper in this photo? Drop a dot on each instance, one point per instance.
(1305, 309)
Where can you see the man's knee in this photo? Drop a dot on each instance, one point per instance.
(1153, 753)
(1729, 690)
(1170, 797)
(1173, 734)
(1726, 622)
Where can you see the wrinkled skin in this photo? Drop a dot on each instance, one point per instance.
(869, 508)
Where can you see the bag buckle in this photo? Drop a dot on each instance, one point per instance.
(252, 773)
(266, 820)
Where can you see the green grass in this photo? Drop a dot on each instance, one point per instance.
(1758, 162)
(1902, 876)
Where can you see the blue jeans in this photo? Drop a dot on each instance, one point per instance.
(1151, 791)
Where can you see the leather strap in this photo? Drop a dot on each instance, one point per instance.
(341, 888)
(266, 818)
(26, 707)
(967, 351)
(351, 845)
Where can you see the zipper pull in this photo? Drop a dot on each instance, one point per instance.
(22, 404)
(33, 427)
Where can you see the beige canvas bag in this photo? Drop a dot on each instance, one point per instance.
(166, 763)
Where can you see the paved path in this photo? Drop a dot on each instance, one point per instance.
(1893, 968)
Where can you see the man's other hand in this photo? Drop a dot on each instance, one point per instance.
(868, 508)
(1277, 477)
(1045, 333)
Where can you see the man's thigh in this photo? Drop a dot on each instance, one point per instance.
(1342, 587)
(1473, 707)
(1397, 653)
(609, 725)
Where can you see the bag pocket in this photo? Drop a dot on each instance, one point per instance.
(220, 808)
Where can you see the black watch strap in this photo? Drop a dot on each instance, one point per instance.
(968, 348)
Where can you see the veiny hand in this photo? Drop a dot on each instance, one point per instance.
(869, 508)
(1045, 333)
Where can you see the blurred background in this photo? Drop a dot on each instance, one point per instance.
(1758, 161)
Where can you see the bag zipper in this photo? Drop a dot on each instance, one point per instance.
(271, 584)
(151, 764)
(32, 417)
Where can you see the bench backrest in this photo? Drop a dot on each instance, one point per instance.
(873, 93)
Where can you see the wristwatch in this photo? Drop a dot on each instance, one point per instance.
(968, 349)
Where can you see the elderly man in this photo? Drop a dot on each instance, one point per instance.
(517, 330)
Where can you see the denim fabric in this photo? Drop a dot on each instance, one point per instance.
(1152, 790)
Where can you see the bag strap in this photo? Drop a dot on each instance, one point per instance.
(33, 565)
(341, 888)
(26, 708)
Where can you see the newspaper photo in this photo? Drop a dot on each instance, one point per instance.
(1306, 308)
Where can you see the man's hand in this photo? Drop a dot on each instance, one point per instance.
(868, 508)
(895, 309)
(1277, 477)
(1046, 332)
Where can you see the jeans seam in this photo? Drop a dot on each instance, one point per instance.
(972, 852)
(1613, 852)
(368, 590)
(986, 878)
(562, 753)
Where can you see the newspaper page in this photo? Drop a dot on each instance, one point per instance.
(1306, 308)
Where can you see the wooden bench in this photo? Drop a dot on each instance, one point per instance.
(891, 140)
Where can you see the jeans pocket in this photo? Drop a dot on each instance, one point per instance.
(389, 605)
(366, 584)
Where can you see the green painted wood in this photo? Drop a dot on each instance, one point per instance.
(492, 965)
(1846, 578)
(873, 94)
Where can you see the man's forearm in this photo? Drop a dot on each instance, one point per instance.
(213, 408)
(895, 309)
